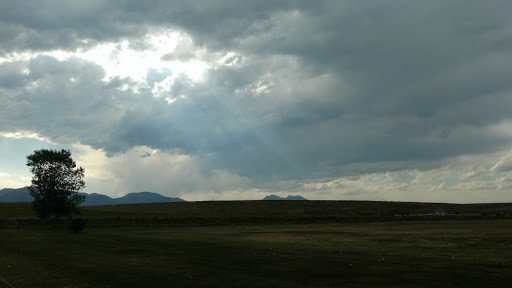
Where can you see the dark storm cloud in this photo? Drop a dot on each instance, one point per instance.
(66, 25)
(50, 24)
(313, 86)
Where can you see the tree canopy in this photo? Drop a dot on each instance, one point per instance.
(56, 182)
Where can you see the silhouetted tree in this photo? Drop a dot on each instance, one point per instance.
(56, 183)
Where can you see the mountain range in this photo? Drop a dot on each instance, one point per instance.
(93, 199)
(15, 195)
(290, 197)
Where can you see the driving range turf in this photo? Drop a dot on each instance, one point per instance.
(426, 253)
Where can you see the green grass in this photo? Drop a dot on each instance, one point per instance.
(388, 254)
(236, 212)
(287, 244)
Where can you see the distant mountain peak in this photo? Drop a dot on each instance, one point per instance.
(15, 195)
(289, 197)
(145, 197)
(93, 199)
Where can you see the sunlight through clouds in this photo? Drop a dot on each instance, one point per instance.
(124, 60)
(229, 99)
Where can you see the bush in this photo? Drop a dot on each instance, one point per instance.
(77, 225)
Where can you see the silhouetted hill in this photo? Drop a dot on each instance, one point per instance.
(95, 199)
(15, 195)
(9, 195)
(290, 197)
(145, 197)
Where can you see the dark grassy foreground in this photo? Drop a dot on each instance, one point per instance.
(260, 244)
(452, 253)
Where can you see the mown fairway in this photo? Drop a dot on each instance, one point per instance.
(453, 253)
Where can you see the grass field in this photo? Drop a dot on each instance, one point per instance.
(454, 253)
(243, 212)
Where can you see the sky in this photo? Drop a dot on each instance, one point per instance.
(221, 99)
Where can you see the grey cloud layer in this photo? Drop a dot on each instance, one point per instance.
(50, 24)
(315, 87)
